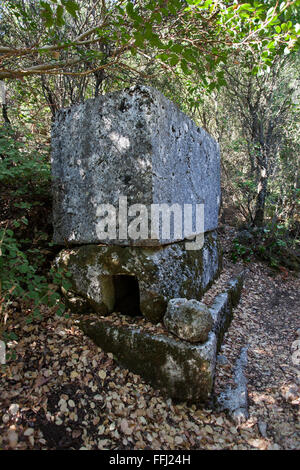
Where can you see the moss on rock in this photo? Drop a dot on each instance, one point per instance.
(162, 273)
(178, 369)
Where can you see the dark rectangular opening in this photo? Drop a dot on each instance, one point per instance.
(127, 295)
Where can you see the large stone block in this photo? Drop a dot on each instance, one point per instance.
(190, 320)
(178, 369)
(133, 143)
(137, 280)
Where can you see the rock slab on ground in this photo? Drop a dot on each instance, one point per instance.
(235, 399)
(178, 369)
(151, 276)
(190, 320)
(223, 305)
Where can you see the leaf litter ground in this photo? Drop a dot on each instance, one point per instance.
(62, 392)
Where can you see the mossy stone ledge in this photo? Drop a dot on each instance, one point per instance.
(99, 273)
(180, 370)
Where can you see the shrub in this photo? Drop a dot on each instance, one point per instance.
(25, 238)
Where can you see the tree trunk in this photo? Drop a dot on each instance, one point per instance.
(259, 215)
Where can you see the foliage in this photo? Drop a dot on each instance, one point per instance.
(240, 251)
(227, 64)
(24, 177)
(183, 37)
(26, 172)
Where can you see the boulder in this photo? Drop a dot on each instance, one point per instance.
(189, 320)
(134, 144)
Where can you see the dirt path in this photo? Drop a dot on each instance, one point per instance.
(62, 392)
(267, 320)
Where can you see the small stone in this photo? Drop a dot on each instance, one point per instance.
(102, 444)
(101, 429)
(273, 447)
(63, 406)
(28, 432)
(71, 404)
(219, 421)
(125, 428)
(76, 433)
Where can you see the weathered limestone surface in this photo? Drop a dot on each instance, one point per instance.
(189, 320)
(222, 308)
(162, 273)
(133, 143)
(178, 369)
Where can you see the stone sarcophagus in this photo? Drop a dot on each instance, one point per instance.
(136, 189)
(127, 149)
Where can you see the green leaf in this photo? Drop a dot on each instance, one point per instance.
(164, 57)
(130, 9)
(13, 336)
(47, 14)
(246, 6)
(139, 39)
(156, 42)
(188, 54)
(59, 16)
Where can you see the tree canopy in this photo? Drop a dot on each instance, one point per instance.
(64, 37)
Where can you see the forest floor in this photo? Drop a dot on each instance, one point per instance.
(60, 391)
